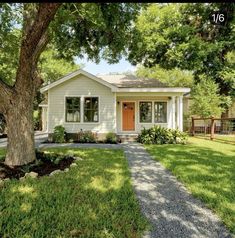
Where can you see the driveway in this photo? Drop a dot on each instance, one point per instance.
(39, 138)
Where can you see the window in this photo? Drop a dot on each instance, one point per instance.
(160, 112)
(91, 109)
(145, 111)
(72, 109)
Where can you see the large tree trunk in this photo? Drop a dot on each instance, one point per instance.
(17, 105)
(20, 147)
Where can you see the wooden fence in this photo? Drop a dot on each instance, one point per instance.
(212, 127)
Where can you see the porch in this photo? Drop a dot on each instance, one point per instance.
(137, 111)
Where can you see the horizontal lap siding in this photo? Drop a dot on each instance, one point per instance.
(81, 86)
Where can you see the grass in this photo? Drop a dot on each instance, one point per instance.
(207, 168)
(2, 154)
(218, 138)
(94, 199)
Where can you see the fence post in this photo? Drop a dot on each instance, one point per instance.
(193, 127)
(212, 128)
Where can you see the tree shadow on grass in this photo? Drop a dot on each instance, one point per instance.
(208, 173)
(93, 199)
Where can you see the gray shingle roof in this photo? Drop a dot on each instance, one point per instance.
(131, 81)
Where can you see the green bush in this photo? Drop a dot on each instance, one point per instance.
(86, 137)
(111, 138)
(59, 134)
(161, 135)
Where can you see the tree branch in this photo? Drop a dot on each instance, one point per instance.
(33, 43)
(5, 91)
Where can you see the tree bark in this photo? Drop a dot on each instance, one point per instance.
(20, 132)
(18, 100)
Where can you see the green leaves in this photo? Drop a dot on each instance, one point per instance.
(173, 78)
(182, 36)
(206, 99)
(99, 30)
(52, 67)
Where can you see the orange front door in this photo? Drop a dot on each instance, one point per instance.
(128, 116)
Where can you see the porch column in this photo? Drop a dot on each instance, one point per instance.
(180, 113)
(173, 112)
(115, 112)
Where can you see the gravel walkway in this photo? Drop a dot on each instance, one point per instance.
(172, 211)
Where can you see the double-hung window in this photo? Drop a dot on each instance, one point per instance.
(91, 109)
(160, 112)
(73, 109)
(152, 109)
(145, 112)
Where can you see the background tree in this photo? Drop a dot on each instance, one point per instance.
(172, 77)
(52, 67)
(206, 100)
(183, 36)
(97, 29)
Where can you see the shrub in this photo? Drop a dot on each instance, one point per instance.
(161, 135)
(86, 137)
(59, 134)
(111, 138)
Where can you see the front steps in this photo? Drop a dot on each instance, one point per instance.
(127, 137)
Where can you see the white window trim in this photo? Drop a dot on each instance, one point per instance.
(71, 122)
(81, 109)
(166, 113)
(139, 111)
(153, 121)
(91, 96)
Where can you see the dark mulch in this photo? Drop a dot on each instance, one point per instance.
(44, 165)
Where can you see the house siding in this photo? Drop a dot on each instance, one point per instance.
(81, 86)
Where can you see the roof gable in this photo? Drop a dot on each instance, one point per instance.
(74, 74)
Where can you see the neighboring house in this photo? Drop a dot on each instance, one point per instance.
(123, 104)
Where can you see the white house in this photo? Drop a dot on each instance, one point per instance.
(123, 104)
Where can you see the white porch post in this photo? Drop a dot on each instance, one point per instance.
(173, 112)
(179, 111)
(115, 113)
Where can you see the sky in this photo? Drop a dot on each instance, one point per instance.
(104, 68)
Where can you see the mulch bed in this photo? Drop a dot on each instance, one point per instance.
(44, 166)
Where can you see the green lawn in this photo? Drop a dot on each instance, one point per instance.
(94, 199)
(219, 138)
(207, 168)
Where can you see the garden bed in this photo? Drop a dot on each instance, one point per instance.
(45, 164)
(81, 142)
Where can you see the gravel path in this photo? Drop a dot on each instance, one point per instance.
(172, 211)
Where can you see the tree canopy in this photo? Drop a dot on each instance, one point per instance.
(73, 29)
(183, 36)
(207, 101)
(172, 77)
